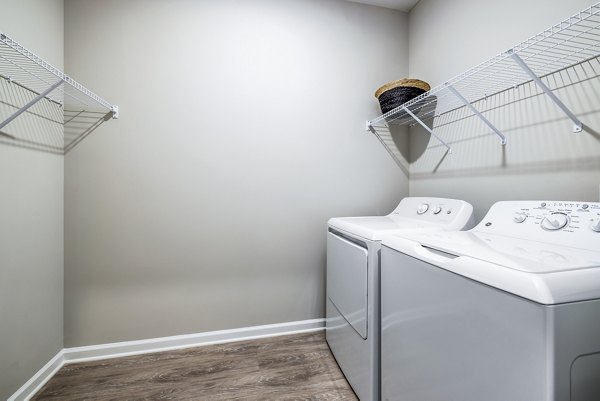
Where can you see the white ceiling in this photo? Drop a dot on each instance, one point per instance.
(402, 5)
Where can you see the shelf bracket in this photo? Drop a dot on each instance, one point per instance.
(422, 124)
(477, 113)
(385, 146)
(577, 125)
(31, 103)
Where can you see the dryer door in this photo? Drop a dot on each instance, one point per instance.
(347, 280)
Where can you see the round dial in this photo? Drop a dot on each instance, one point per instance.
(519, 217)
(437, 210)
(555, 221)
(423, 207)
(595, 226)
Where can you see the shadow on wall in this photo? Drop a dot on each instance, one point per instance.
(46, 126)
(395, 140)
(393, 133)
(540, 138)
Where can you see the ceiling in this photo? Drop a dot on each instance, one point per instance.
(402, 5)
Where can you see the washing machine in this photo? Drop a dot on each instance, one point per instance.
(508, 311)
(353, 245)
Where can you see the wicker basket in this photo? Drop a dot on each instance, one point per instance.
(396, 93)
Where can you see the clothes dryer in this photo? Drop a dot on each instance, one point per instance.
(353, 245)
(508, 311)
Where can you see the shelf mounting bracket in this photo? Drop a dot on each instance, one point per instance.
(31, 103)
(385, 146)
(577, 125)
(422, 124)
(477, 113)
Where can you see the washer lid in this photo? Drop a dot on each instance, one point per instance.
(544, 273)
(514, 253)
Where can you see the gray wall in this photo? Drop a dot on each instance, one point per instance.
(543, 158)
(31, 221)
(204, 206)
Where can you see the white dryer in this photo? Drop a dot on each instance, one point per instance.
(353, 245)
(509, 311)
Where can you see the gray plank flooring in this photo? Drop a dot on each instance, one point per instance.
(295, 367)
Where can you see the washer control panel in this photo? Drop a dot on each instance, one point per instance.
(567, 223)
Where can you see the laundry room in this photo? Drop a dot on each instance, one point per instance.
(393, 200)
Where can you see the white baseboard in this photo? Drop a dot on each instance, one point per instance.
(127, 348)
(36, 382)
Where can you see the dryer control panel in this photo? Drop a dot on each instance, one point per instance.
(450, 214)
(568, 223)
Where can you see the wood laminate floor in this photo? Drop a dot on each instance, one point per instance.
(295, 367)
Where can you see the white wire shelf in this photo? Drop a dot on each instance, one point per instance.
(564, 45)
(40, 106)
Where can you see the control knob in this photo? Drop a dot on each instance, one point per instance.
(437, 210)
(423, 207)
(595, 226)
(519, 217)
(555, 221)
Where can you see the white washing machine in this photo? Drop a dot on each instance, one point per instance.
(509, 311)
(353, 245)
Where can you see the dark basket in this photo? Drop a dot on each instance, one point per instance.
(395, 97)
(397, 93)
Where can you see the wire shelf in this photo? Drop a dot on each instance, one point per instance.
(564, 45)
(40, 106)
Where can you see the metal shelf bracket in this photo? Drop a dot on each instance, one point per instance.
(477, 113)
(422, 124)
(577, 125)
(31, 103)
(369, 127)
